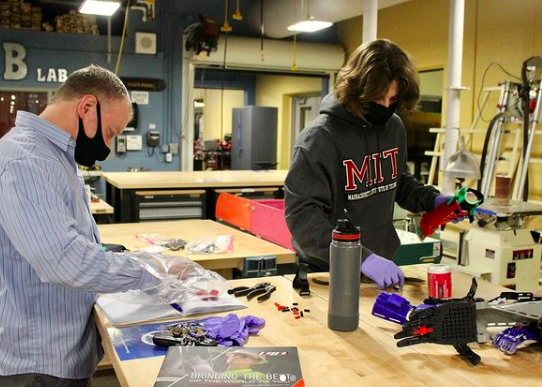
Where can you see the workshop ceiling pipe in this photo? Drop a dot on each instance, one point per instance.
(279, 14)
(244, 54)
(370, 20)
(455, 56)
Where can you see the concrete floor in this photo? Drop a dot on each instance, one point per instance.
(105, 378)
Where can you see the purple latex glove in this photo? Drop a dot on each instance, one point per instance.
(509, 339)
(441, 199)
(382, 271)
(232, 330)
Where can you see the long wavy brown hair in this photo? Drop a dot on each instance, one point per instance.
(369, 73)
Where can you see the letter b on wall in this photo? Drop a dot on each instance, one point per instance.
(15, 69)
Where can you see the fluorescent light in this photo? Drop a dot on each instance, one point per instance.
(99, 7)
(309, 25)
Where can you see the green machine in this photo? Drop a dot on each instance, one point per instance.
(413, 252)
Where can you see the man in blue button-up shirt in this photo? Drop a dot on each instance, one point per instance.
(51, 264)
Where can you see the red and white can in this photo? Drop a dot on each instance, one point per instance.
(439, 281)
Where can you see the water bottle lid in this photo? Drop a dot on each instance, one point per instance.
(346, 231)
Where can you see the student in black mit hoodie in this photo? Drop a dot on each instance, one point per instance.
(353, 156)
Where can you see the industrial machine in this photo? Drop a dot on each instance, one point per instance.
(498, 246)
(521, 103)
(500, 249)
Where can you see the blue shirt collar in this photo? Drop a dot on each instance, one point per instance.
(56, 135)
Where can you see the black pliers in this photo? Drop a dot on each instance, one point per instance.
(263, 290)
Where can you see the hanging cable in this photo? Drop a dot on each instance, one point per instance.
(117, 67)
(526, 113)
(262, 29)
(294, 61)
(109, 55)
(487, 138)
(486, 144)
(222, 88)
(492, 64)
(237, 14)
(226, 26)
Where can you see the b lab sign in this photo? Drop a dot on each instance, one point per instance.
(16, 68)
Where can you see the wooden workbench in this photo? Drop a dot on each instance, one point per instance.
(101, 208)
(496, 368)
(121, 186)
(245, 245)
(365, 357)
(101, 211)
(197, 179)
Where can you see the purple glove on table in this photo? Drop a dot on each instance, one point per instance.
(232, 330)
(382, 271)
(441, 199)
(509, 339)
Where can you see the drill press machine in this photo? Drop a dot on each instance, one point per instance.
(500, 249)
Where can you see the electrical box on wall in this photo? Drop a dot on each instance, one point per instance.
(172, 148)
(121, 144)
(134, 143)
(153, 138)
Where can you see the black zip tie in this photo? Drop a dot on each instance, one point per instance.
(307, 310)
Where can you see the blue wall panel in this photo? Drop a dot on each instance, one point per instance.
(53, 50)
(72, 52)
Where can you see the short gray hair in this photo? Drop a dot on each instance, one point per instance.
(94, 80)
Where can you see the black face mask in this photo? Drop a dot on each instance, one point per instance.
(378, 115)
(89, 150)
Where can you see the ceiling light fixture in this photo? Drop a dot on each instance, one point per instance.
(309, 24)
(99, 7)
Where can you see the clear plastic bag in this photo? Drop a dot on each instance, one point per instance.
(162, 241)
(222, 244)
(165, 267)
(153, 239)
(184, 284)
